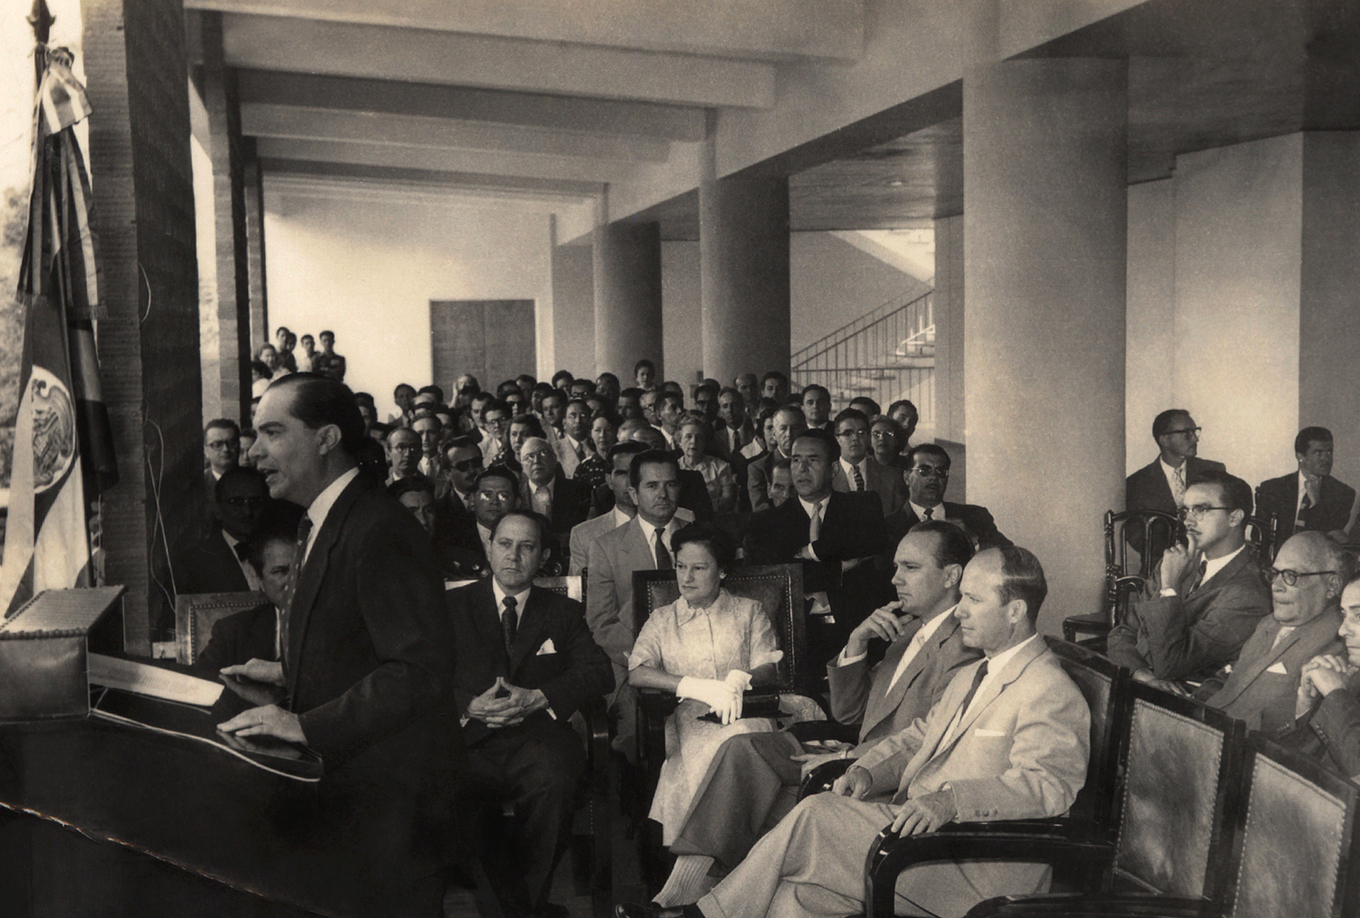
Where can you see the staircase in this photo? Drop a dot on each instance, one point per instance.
(887, 355)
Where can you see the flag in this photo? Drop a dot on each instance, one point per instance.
(60, 411)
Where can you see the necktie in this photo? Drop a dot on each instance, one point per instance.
(930, 513)
(580, 452)
(240, 548)
(509, 622)
(543, 497)
(815, 525)
(918, 639)
(968, 699)
(1304, 506)
(304, 532)
(1199, 575)
(663, 557)
(859, 478)
(1180, 485)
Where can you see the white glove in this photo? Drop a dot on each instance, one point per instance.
(721, 698)
(741, 681)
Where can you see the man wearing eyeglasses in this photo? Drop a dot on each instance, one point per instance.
(1305, 591)
(1160, 485)
(927, 477)
(403, 453)
(1206, 598)
(462, 464)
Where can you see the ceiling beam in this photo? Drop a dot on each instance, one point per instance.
(422, 56)
(667, 122)
(546, 189)
(367, 127)
(477, 161)
(771, 30)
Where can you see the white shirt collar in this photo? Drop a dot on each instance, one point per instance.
(936, 512)
(1170, 474)
(997, 663)
(807, 506)
(322, 503)
(649, 531)
(520, 598)
(621, 517)
(1214, 565)
(862, 465)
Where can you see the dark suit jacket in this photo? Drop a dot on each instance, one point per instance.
(553, 652)
(570, 503)
(210, 566)
(239, 638)
(369, 641)
(852, 528)
(1146, 489)
(977, 521)
(1191, 635)
(1331, 731)
(758, 479)
(1264, 682)
(887, 483)
(1280, 496)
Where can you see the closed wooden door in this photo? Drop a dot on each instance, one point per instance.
(494, 340)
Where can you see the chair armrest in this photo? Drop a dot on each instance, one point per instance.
(806, 731)
(1081, 906)
(596, 717)
(820, 779)
(1094, 624)
(1065, 841)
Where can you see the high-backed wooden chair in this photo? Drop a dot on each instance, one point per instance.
(1288, 847)
(779, 589)
(1165, 827)
(1126, 572)
(195, 614)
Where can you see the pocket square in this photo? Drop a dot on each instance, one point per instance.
(1278, 668)
(546, 648)
(982, 732)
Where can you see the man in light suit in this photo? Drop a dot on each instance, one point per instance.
(927, 477)
(642, 545)
(1161, 484)
(1009, 740)
(517, 683)
(584, 534)
(365, 677)
(752, 782)
(1310, 499)
(1208, 595)
(1261, 687)
(858, 470)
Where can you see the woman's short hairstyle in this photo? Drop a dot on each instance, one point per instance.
(717, 542)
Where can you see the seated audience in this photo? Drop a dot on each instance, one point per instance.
(404, 395)
(254, 634)
(496, 493)
(753, 780)
(670, 410)
(574, 446)
(455, 489)
(216, 563)
(644, 375)
(247, 441)
(781, 482)
(748, 384)
(832, 533)
(403, 453)
(865, 406)
(1008, 740)
(525, 663)
(904, 414)
(693, 490)
(775, 385)
(594, 470)
(607, 387)
(548, 492)
(1309, 499)
(708, 647)
(630, 405)
(495, 418)
(816, 402)
(763, 434)
(691, 437)
(885, 438)
(927, 478)
(1328, 703)
(417, 495)
(427, 424)
(786, 425)
(1305, 591)
(1206, 598)
(859, 471)
(1161, 484)
(737, 430)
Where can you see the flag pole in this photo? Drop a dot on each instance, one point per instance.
(41, 18)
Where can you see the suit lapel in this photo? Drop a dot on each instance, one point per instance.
(1267, 652)
(883, 701)
(313, 573)
(990, 692)
(532, 622)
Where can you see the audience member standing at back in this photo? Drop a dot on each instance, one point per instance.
(1309, 499)
(1160, 485)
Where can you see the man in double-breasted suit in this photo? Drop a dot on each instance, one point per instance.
(753, 780)
(642, 545)
(365, 675)
(1309, 499)
(517, 683)
(1261, 687)
(1009, 740)
(837, 553)
(1208, 595)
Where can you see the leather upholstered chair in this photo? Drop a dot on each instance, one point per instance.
(195, 614)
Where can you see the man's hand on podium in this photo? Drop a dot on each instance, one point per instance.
(269, 720)
(259, 682)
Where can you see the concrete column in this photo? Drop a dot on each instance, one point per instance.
(230, 395)
(1045, 226)
(142, 183)
(1329, 323)
(259, 290)
(573, 291)
(627, 275)
(744, 276)
(950, 420)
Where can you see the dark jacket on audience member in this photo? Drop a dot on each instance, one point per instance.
(1330, 732)
(977, 522)
(239, 638)
(1280, 496)
(1146, 489)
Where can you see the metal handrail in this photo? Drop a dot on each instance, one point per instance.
(850, 329)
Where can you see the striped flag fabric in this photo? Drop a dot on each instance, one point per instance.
(60, 411)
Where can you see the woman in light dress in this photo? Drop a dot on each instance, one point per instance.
(707, 647)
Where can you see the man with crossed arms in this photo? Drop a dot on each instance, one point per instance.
(752, 783)
(1010, 739)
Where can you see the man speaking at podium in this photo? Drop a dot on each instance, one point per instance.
(365, 673)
